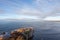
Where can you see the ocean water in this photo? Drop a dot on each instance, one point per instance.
(42, 30)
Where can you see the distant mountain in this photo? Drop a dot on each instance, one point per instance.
(23, 20)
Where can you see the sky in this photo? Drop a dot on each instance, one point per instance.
(30, 9)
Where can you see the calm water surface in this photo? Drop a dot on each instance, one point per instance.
(43, 30)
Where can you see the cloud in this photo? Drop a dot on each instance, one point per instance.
(28, 11)
(43, 8)
(52, 18)
(2, 11)
(56, 12)
(36, 8)
(48, 7)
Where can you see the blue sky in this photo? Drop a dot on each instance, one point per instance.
(29, 9)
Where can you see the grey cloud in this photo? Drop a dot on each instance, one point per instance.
(2, 11)
(52, 7)
(43, 8)
(55, 12)
(31, 12)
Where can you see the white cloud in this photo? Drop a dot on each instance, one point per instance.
(53, 18)
(48, 7)
(28, 11)
(41, 9)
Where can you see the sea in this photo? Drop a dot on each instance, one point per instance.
(43, 30)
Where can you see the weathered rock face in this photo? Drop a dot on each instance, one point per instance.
(18, 38)
(20, 34)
